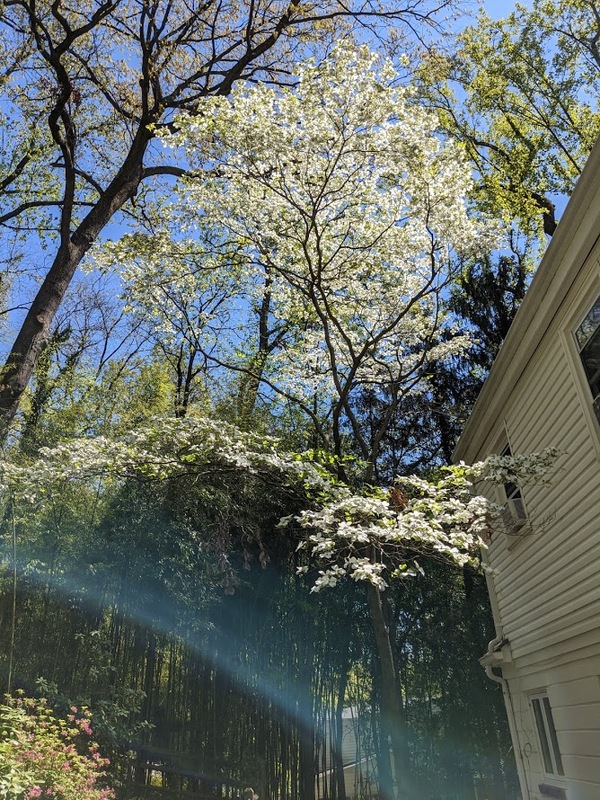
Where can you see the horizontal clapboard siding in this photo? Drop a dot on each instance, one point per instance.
(547, 585)
(545, 581)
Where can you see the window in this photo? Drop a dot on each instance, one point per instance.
(514, 515)
(587, 337)
(546, 732)
(511, 490)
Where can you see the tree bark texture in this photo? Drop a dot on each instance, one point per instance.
(392, 713)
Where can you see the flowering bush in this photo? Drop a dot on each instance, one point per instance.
(42, 755)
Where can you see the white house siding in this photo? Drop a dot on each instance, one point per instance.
(357, 757)
(545, 583)
(546, 580)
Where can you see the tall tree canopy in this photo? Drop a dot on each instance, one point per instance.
(330, 219)
(85, 88)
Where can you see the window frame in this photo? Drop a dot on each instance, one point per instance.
(551, 763)
(512, 494)
(512, 491)
(586, 332)
(575, 313)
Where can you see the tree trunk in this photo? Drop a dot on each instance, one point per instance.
(338, 760)
(305, 716)
(392, 714)
(34, 332)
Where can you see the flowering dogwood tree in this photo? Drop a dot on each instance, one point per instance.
(371, 534)
(85, 85)
(378, 535)
(341, 213)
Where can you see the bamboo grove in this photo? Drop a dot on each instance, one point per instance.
(201, 686)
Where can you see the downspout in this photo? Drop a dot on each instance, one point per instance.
(495, 656)
(499, 653)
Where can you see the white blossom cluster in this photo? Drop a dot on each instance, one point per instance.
(521, 469)
(159, 450)
(380, 536)
(373, 535)
(340, 196)
(178, 288)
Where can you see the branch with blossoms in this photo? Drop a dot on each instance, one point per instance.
(379, 535)
(521, 469)
(163, 449)
(374, 535)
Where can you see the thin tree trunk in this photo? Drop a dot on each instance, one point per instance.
(306, 717)
(34, 332)
(338, 759)
(392, 714)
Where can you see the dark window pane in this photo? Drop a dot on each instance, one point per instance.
(590, 357)
(553, 738)
(542, 736)
(589, 325)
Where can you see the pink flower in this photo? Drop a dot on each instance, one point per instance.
(35, 791)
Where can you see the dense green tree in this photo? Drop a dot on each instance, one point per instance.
(521, 93)
(173, 610)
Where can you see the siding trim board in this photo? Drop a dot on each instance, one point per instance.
(579, 379)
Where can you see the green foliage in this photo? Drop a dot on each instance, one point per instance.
(182, 622)
(487, 297)
(522, 93)
(42, 754)
(442, 619)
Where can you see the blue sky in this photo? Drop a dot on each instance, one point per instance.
(501, 8)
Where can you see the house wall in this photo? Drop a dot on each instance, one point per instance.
(545, 581)
(546, 578)
(357, 757)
